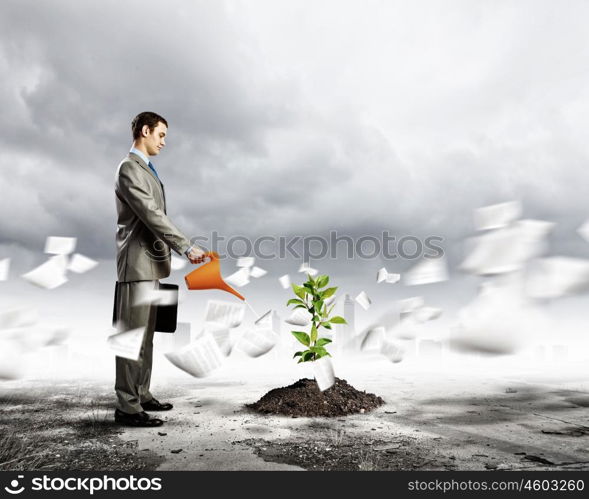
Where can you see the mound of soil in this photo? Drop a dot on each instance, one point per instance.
(304, 398)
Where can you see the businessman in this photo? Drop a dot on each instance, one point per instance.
(144, 237)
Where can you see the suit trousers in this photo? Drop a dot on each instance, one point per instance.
(133, 377)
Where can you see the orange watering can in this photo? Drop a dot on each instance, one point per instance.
(208, 276)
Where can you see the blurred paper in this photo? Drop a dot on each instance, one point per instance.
(285, 281)
(299, 317)
(363, 300)
(4, 268)
(80, 264)
(221, 334)
(425, 314)
(583, 231)
(18, 317)
(393, 278)
(60, 245)
(373, 339)
(555, 277)
(392, 350)
(497, 216)
(223, 312)
(408, 305)
(178, 263)
(308, 270)
(127, 344)
(257, 272)
(381, 275)
(323, 372)
(156, 297)
(239, 278)
(246, 261)
(257, 341)
(427, 272)
(49, 275)
(506, 250)
(11, 360)
(199, 358)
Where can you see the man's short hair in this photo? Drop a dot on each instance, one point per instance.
(146, 118)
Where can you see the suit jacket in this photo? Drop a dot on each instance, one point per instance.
(145, 234)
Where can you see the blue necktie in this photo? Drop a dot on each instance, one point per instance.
(153, 170)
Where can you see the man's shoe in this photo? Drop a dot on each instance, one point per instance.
(156, 405)
(137, 419)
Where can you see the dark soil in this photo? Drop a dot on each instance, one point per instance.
(304, 399)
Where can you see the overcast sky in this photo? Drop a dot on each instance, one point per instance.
(295, 117)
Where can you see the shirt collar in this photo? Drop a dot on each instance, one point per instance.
(140, 154)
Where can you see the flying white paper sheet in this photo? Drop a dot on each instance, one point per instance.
(497, 322)
(257, 272)
(425, 314)
(497, 216)
(221, 334)
(178, 263)
(299, 317)
(363, 300)
(127, 344)
(506, 250)
(427, 272)
(393, 278)
(407, 328)
(11, 360)
(308, 270)
(18, 317)
(373, 339)
(557, 276)
(48, 275)
(199, 358)
(60, 245)
(246, 261)
(223, 312)
(284, 281)
(323, 372)
(156, 297)
(80, 264)
(4, 268)
(257, 341)
(381, 275)
(393, 351)
(239, 278)
(583, 231)
(409, 305)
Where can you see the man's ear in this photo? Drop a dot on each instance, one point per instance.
(145, 131)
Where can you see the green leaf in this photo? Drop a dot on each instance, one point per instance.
(307, 356)
(299, 291)
(302, 306)
(326, 325)
(327, 293)
(318, 350)
(297, 354)
(318, 305)
(322, 281)
(313, 334)
(322, 342)
(295, 301)
(302, 337)
(337, 320)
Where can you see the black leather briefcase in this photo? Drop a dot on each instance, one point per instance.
(166, 315)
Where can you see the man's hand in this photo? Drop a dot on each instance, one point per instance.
(196, 255)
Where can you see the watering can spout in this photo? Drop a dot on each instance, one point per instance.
(208, 276)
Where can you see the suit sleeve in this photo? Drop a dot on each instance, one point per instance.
(136, 192)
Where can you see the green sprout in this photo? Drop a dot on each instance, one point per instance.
(311, 296)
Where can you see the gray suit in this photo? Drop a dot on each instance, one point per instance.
(144, 237)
